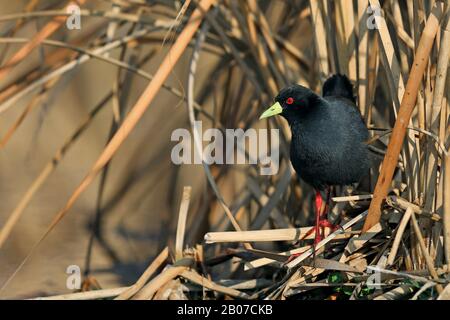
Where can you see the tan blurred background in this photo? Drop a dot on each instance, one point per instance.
(142, 188)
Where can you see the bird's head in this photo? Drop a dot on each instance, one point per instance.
(292, 102)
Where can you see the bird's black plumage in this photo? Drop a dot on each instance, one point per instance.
(328, 134)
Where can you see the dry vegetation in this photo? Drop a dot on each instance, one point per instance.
(236, 231)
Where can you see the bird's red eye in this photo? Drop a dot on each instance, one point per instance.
(290, 100)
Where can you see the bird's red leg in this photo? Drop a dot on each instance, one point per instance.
(318, 202)
(324, 222)
(320, 223)
(316, 229)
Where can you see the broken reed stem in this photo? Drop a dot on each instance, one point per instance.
(352, 198)
(403, 204)
(291, 234)
(181, 227)
(403, 117)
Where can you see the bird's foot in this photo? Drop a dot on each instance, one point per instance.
(324, 223)
(294, 256)
(321, 225)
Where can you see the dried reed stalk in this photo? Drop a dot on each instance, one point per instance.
(182, 217)
(399, 235)
(258, 235)
(363, 55)
(319, 37)
(446, 215)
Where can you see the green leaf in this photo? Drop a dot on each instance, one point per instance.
(335, 277)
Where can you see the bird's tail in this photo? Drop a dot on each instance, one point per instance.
(338, 85)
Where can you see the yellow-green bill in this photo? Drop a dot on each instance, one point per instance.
(273, 110)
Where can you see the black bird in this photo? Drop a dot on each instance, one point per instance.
(328, 137)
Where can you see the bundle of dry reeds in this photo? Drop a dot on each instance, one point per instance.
(236, 234)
